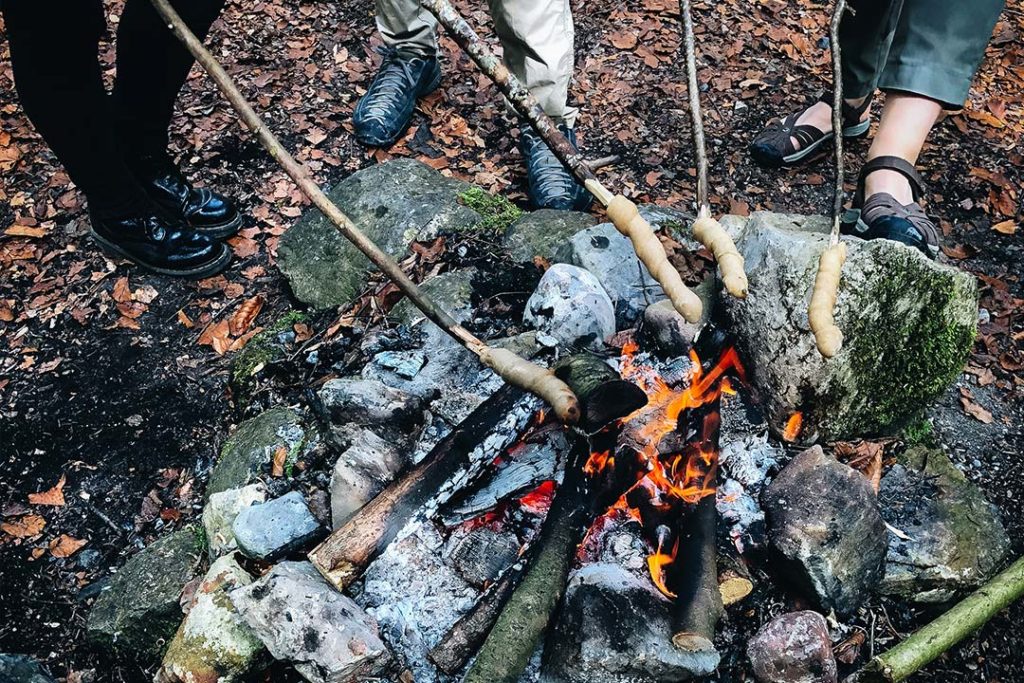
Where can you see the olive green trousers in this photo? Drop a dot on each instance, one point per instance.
(923, 47)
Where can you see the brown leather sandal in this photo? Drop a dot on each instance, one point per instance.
(774, 147)
(881, 216)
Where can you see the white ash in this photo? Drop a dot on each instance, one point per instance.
(740, 511)
(749, 459)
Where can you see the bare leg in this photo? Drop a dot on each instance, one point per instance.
(819, 115)
(906, 122)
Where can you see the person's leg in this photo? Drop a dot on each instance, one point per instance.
(906, 122)
(54, 56)
(865, 36)
(537, 42)
(152, 66)
(57, 74)
(409, 70)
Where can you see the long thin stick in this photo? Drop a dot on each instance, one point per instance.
(932, 640)
(622, 212)
(510, 367)
(821, 312)
(706, 229)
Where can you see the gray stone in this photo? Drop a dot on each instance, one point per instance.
(570, 305)
(667, 332)
(138, 611)
(908, 325)
(303, 620)
(397, 415)
(793, 648)
(393, 203)
(213, 644)
(361, 472)
(613, 627)
(609, 256)
(21, 669)
(953, 540)
(271, 530)
(826, 531)
(542, 233)
(219, 514)
(250, 449)
(452, 291)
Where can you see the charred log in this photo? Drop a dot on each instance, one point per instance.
(698, 605)
(347, 552)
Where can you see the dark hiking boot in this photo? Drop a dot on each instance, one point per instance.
(205, 211)
(384, 112)
(163, 244)
(551, 186)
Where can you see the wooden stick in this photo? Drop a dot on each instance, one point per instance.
(821, 313)
(930, 641)
(706, 229)
(507, 365)
(622, 212)
(698, 604)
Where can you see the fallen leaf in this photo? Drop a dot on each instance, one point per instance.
(1007, 227)
(25, 231)
(624, 41)
(244, 317)
(53, 496)
(65, 546)
(975, 410)
(24, 527)
(121, 292)
(280, 455)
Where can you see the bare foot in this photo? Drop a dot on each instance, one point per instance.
(819, 115)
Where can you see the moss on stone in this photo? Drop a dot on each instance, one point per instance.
(919, 432)
(907, 363)
(497, 212)
(263, 348)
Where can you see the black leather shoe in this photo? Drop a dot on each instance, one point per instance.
(206, 211)
(551, 186)
(161, 244)
(384, 112)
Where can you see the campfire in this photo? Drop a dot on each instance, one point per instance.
(637, 480)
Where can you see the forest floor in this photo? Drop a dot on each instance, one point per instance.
(109, 389)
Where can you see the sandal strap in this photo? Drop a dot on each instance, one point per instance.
(851, 114)
(891, 163)
(780, 134)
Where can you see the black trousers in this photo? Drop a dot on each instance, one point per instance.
(54, 54)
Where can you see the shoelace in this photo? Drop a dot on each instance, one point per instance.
(549, 175)
(390, 87)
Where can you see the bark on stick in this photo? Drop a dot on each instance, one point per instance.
(511, 368)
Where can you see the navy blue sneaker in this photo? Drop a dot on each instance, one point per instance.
(384, 112)
(551, 186)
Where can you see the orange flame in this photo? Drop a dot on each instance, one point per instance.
(538, 501)
(665, 480)
(793, 427)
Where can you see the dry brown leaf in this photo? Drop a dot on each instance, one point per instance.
(625, 40)
(245, 315)
(975, 410)
(53, 496)
(121, 292)
(863, 456)
(25, 231)
(1007, 227)
(185, 320)
(280, 456)
(24, 527)
(66, 546)
(216, 335)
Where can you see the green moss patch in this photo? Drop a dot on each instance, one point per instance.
(497, 212)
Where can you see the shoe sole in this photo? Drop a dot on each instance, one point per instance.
(387, 142)
(220, 232)
(207, 270)
(794, 159)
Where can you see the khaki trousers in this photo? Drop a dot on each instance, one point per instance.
(536, 37)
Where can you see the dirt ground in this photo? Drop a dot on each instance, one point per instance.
(107, 380)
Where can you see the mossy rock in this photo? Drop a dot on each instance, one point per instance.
(264, 348)
(393, 204)
(542, 233)
(908, 323)
(497, 212)
(250, 449)
(953, 539)
(138, 612)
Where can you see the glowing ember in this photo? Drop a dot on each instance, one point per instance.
(664, 486)
(793, 427)
(538, 501)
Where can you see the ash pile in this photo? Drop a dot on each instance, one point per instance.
(732, 505)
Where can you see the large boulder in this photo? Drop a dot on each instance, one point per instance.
(793, 648)
(826, 531)
(22, 669)
(213, 644)
(250, 449)
(616, 627)
(542, 233)
(138, 611)
(570, 305)
(303, 620)
(952, 539)
(908, 324)
(393, 203)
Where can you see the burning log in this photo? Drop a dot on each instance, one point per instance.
(524, 619)
(347, 552)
